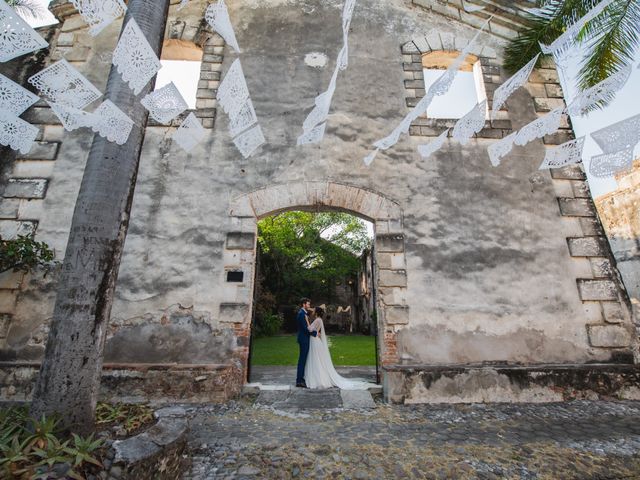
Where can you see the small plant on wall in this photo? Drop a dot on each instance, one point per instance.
(25, 254)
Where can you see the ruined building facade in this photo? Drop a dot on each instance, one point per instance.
(491, 283)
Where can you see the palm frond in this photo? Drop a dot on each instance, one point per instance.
(27, 8)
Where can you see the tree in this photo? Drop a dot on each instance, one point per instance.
(304, 254)
(27, 8)
(608, 41)
(70, 374)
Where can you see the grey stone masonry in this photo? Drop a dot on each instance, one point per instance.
(26, 188)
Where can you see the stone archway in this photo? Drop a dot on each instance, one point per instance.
(240, 253)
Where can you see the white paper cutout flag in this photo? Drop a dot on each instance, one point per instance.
(249, 141)
(504, 91)
(619, 136)
(314, 135)
(368, 160)
(608, 164)
(566, 39)
(217, 16)
(190, 133)
(99, 13)
(470, 124)
(15, 133)
(605, 90)
(62, 83)
(539, 128)
(430, 148)
(16, 36)
(568, 153)
(242, 119)
(501, 148)
(233, 91)
(14, 98)
(165, 104)
(134, 58)
(112, 123)
(72, 118)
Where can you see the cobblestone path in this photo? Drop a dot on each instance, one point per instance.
(577, 440)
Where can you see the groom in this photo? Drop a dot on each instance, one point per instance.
(303, 340)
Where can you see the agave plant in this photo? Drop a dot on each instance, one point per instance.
(608, 41)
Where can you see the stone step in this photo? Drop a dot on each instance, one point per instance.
(302, 399)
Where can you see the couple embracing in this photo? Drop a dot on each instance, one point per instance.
(315, 367)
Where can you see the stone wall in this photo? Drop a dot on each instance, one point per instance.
(474, 264)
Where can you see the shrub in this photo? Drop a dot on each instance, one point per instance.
(269, 325)
(25, 254)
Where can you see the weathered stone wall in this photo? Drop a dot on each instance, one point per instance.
(474, 263)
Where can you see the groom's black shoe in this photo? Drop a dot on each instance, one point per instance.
(301, 385)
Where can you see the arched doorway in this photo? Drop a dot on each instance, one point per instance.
(388, 253)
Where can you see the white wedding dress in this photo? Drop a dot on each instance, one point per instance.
(319, 371)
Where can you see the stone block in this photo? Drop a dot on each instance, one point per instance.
(390, 261)
(536, 89)
(580, 189)
(10, 229)
(608, 336)
(414, 84)
(591, 226)
(235, 312)
(448, 41)
(241, 241)
(206, 103)
(553, 90)
(392, 278)
(78, 54)
(41, 116)
(488, 52)
(75, 22)
(9, 208)
(422, 46)
(389, 243)
(547, 104)
(587, 247)
(26, 188)
(597, 290)
(8, 301)
(435, 43)
(393, 295)
(613, 312)
(53, 133)
(601, 267)
(544, 75)
(210, 76)
(571, 172)
(33, 168)
(65, 39)
(205, 93)
(5, 323)
(409, 48)
(576, 207)
(396, 315)
(11, 280)
(558, 138)
(412, 67)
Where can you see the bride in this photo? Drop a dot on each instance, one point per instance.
(319, 371)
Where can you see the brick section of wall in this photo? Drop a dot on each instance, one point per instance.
(599, 286)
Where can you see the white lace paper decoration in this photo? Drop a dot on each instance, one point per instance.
(165, 104)
(190, 133)
(62, 83)
(233, 91)
(16, 133)
(99, 13)
(608, 164)
(539, 128)
(504, 91)
(134, 58)
(315, 135)
(430, 148)
(568, 153)
(112, 123)
(217, 16)
(183, 4)
(439, 87)
(249, 141)
(498, 150)
(72, 118)
(605, 90)
(566, 39)
(13, 97)
(470, 124)
(619, 136)
(320, 112)
(242, 119)
(16, 36)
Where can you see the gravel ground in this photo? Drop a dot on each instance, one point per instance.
(254, 438)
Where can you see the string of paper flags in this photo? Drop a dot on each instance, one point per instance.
(68, 93)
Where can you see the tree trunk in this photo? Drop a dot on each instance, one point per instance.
(69, 378)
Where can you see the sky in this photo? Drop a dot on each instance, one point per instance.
(626, 104)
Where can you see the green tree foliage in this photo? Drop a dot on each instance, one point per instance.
(305, 254)
(608, 41)
(24, 253)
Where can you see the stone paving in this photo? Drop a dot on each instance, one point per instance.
(306, 434)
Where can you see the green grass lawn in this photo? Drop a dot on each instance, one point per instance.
(346, 350)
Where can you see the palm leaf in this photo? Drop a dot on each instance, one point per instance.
(27, 8)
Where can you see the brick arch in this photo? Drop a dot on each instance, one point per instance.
(390, 261)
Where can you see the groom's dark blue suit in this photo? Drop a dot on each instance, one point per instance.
(303, 341)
